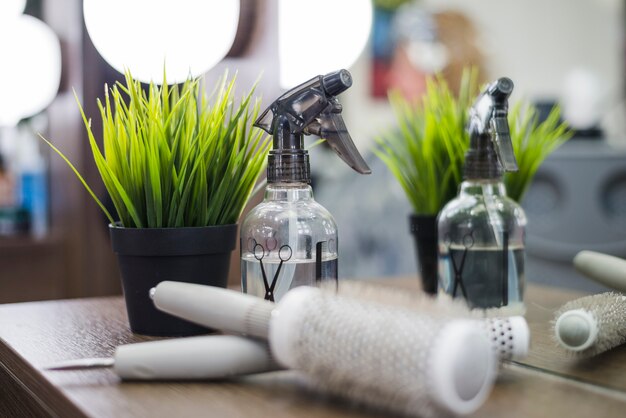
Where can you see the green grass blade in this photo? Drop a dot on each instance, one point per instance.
(80, 178)
(171, 157)
(426, 149)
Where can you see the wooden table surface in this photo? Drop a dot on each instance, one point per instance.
(32, 335)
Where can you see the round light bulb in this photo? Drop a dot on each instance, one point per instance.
(184, 37)
(320, 36)
(31, 68)
(11, 9)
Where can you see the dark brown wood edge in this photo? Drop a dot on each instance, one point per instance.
(51, 402)
(17, 399)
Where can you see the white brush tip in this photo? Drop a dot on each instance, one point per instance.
(576, 330)
(463, 367)
(285, 321)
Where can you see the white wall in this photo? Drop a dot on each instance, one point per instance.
(535, 43)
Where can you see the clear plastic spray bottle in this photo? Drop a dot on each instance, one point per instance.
(289, 239)
(481, 231)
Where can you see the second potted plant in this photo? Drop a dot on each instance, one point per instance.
(426, 153)
(179, 170)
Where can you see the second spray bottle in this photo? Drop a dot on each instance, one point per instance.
(481, 231)
(289, 239)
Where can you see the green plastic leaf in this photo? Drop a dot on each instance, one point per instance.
(426, 149)
(174, 157)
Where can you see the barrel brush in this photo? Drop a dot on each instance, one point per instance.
(509, 336)
(591, 325)
(388, 357)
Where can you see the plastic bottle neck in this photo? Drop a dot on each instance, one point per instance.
(488, 187)
(481, 161)
(288, 192)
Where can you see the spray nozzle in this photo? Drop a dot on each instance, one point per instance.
(310, 108)
(489, 130)
(500, 90)
(337, 82)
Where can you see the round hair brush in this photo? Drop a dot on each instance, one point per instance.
(592, 324)
(510, 336)
(388, 357)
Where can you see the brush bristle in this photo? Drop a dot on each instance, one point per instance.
(609, 311)
(373, 353)
(441, 304)
(392, 296)
(507, 343)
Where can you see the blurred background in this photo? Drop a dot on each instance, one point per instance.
(54, 240)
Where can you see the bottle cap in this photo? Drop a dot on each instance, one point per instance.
(288, 167)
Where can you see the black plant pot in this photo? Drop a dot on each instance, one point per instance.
(148, 256)
(424, 230)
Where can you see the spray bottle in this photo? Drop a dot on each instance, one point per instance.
(289, 239)
(481, 231)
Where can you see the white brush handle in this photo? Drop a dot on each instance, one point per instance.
(206, 357)
(214, 307)
(602, 268)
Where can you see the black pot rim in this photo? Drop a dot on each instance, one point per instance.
(213, 239)
(422, 216)
(118, 225)
(423, 225)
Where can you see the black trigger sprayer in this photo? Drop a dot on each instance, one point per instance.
(311, 108)
(481, 231)
(289, 239)
(491, 149)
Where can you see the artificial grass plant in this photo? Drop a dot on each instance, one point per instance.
(426, 150)
(532, 142)
(173, 159)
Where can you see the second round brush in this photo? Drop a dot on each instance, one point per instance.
(591, 325)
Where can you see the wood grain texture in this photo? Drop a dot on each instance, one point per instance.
(520, 392)
(36, 334)
(39, 333)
